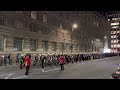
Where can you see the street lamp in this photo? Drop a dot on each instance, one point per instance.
(73, 27)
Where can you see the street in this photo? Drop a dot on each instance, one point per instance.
(94, 69)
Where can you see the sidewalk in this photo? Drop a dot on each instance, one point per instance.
(7, 65)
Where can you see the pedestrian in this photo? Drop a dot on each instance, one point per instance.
(42, 61)
(5, 59)
(18, 57)
(1, 60)
(10, 59)
(22, 61)
(61, 61)
(27, 64)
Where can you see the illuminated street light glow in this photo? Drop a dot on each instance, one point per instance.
(74, 25)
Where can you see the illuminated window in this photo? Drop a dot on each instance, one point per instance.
(33, 14)
(113, 27)
(114, 36)
(114, 18)
(118, 31)
(113, 32)
(111, 41)
(118, 45)
(112, 46)
(111, 36)
(115, 45)
(116, 23)
(115, 41)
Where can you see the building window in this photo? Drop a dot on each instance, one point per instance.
(112, 37)
(54, 46)
(33, 45)
(118, 45)
(116, 23)
(115, 27)
(1, 44)
(33, 14)
(18, 44)
(33, 27)
(45, 46)
(115, 41)
(45, 17)
(3, 21)
(115, 45)
(118, 31)
(111, 41)
(112, 46)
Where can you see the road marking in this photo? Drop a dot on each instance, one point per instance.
(50, 70)
(4, 74)
(19, 77)
(9, 75)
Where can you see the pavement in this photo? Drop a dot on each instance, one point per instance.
(94, 69)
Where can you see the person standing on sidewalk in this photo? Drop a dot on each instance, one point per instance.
(61, 61)
(27, 63)
(5, 59)
(10, 59)
(18, 57)
(1, 60)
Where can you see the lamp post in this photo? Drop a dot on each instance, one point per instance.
(73, 27)
(105, 44)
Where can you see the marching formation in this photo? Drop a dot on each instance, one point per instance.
(27, 60)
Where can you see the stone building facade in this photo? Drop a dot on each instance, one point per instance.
(50, 31)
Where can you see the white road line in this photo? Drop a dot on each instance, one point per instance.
(19, 77)
(4, 74)
(51, 70)
(9, 75)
